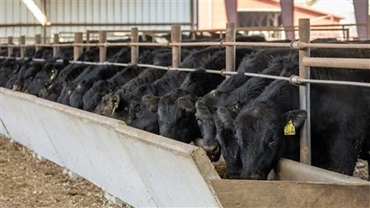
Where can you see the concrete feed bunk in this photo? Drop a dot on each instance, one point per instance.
(145, 169)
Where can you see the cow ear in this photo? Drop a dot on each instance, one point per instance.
(294, 120)
(214, 93)
(186, 103)
(202, 109)
(225, 116)
(151, 101)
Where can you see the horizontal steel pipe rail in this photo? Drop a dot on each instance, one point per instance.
(294, 44)
(289, 170)
(293, 79)
(337, 63)
(298, 45)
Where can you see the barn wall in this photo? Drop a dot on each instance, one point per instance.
(120, 14)
(15, 12)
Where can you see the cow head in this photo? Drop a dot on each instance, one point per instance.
(176, 116)
(205, 109)
(224, 121)
(262, 134)
(143, 113)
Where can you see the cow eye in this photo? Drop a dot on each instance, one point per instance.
(138, 110)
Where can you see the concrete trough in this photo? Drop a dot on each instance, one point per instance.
(147, 170)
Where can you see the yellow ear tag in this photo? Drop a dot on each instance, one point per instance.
(53, 75)
(289, 128)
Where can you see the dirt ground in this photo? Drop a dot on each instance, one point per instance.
(26, 182)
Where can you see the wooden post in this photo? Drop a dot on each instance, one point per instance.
(134, 49)
(102, 49)
(176, 50)
(10, 49)
(22, 42)
(77, 50)
(37, 41)
(56, 48)
(368, 27)
(230, 50)
(304, 92)
(88, 39)
(153, 37)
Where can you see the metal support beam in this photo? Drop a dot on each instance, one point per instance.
(102, 49)
(22, 41)
(231, 10)
(134, 49)
(304, 93)
(230, 50)
(10, 49)
(38, 41)
(56, 48)
(287, 17)
(176, 50)
(77, 50)
(362, 17)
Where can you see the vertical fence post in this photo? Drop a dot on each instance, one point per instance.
(10, 48)
(102, 49)
(88, 39)
(22, 42)
(37, 41)
(230, 50)
(56, 48)
(176, 50)
(153, 35)
(77, 50)
(368, 27)
(304, 93)
(193, 35)
(134, 49)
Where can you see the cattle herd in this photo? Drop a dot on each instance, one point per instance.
(251, 121)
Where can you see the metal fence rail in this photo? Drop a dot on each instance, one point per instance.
(303, 45)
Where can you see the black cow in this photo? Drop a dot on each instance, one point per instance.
(45, 76)
(207, 105)
(94, 96)
(24, 76)
(176, 109)
(119, 101)
(143, 106)
(233, 102)
(182, 101)
(86, 80)
(268, 127)
(8, 70)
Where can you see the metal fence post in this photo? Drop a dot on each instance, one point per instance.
(88, 39)
(304, 93)
(10, 49)
(56, 48)
(230, 50)
(22, 42)
(37, 41)
(134, 49)
(176, 50)
(77, 50)
(102, 49)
